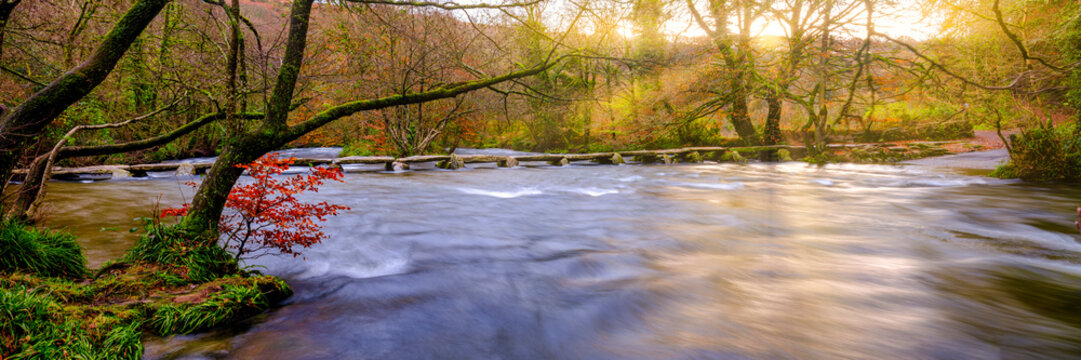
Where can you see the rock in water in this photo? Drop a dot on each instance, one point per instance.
(397, 166)
(185, 169)
(561, 162)
(784, 155)
(694, 157)
(121, 174)
(617, 159)
(454, 163)
(508, 162)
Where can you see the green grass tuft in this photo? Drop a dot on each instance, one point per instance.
(171, 245)
(232, 302)
(37, 326)
(23, 248)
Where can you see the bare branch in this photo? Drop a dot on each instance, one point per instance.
(1017, 40)
(447, 5)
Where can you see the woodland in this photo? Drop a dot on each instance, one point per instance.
(99, 82)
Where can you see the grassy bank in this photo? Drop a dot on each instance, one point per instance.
(53, 308)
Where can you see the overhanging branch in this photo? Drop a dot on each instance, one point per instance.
(446, 5)
(446, 91)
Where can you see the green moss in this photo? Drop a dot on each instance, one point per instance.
(23, 248)
(784, 155)
(161, 286)
(693, 157)
(733, 156)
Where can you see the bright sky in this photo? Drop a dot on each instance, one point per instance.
(904, 20)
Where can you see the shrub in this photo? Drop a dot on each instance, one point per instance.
(1046, 153)
(48, 253)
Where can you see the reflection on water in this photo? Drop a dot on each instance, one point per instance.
(686, 262)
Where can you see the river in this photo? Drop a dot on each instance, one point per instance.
(692, 261)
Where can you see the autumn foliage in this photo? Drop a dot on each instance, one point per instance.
(267, 215)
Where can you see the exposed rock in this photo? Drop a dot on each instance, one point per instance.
(617, 159)
(784, 155)
(185, 169)
(121, 174)
(397, 166)
(693, 157)
(508, 162)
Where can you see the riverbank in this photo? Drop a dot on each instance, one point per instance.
(58, 309)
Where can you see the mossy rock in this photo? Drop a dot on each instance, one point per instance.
(693, 157)
(733, 156)
(784, 155)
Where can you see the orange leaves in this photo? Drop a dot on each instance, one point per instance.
(266, 215)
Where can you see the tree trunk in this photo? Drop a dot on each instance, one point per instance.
(6, 7)
(209, 200)
(739, 116)
(772, 132)
(26, 121)
(232, 92)
(30, 189)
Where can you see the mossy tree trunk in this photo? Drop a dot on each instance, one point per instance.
(736, 50)
(771, 135)
(740, 118)
(22, 125)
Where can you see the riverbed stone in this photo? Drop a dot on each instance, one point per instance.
(693, 157)
(733, 156)
(617, 159)
(454, 163)
(121, 174)
(397, 166)
(508, 162)
(784, 155)
(185, 169)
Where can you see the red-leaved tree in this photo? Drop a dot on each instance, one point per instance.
(266, 214)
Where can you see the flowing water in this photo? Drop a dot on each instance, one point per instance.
(695, 261)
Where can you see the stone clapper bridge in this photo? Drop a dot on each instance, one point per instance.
(452, 161)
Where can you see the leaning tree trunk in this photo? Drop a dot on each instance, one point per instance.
(26, 121)
(30, 189)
